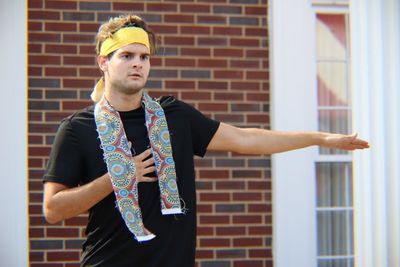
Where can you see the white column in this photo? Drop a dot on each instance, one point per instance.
(293, 102)
(13, 136)
(375, 44)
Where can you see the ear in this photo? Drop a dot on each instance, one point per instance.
(103, 63)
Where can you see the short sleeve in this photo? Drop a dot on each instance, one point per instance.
(65, 162)
(202, 129)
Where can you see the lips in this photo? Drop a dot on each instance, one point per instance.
(135, 75)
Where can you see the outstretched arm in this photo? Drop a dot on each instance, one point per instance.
(260, 141)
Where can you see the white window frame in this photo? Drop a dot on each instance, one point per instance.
(14, 224)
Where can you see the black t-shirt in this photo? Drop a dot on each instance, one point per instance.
(76, 158)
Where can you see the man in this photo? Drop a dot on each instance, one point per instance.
(129, 146)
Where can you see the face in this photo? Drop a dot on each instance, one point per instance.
(127, 70)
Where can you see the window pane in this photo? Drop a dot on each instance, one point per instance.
(334, 121)
(332, 84)
(336, 263)
(334, 232)
(331, 36)
(334, 184)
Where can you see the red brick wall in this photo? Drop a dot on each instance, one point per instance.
(214, 55)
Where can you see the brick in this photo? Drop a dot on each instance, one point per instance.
(260, 230)
(227, 9)
(231, 31)
(221, 208)
(128, 6)
(247, 242)
(34, 139)
(178, 18)
(195, 30)
(256, 10)
(35, 48)
(46, 265)
(43, 15)
(78, 60)
(246, 196)
(35, 4)
(248, 263)
(257, 75)
(228, 52)
(214, 197)
(259, 163)
(198, 74)
(213, 107)
(60, 94)
(229, 163)
(179, 84)
(35, 94)
(44, 37)
(35, 209)
(197, 52)
(245, 107)
(163, 73)
(203, 185)
(243, 1)
(215, 263)
(164, 29)
(74, 243)
(87, 50)
(180, 62)
(204, 19)
(78, 38)
(195, 8)
(211, 41)
(41, 128)
(231, 231)
(256, 32)
(34, 116)
(178, 40)
(62, 232)
(36, 256)
(260, 253)
(44, 60)
(212, 63)
(60, 27)
(205, 230)
(78, 16)
(214, 219)
(46, 244)
(63, 256)
(202, 162)
(60, 71)
(246, 173)
(263, 185)
(228, 74)
(76, 221)
(251, 118)
(48, 83)
(35, 163)
(230, 185)
(34, 71)
(244, 42)
(60, 49)
(55, 116)
(93, 6)
(154, 84)
(231, 253)
(35, 26)
(214, 242)
(204, 208)
(75, 105)
(229, 118)
(88, 27)
(89, 72)
(243, 21)
(260, 53)
(245, 86)
(161, 7)
(228, 96)
(61, 5)
(204, 254)
(196, 96)
(78, 83)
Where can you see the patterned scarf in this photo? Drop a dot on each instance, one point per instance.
(122, 170)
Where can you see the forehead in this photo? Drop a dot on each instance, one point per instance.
(135, 48)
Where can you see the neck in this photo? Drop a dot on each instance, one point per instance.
(123, 102)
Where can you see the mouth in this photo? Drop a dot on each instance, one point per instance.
(135, 75)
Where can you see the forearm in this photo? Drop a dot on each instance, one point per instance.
(71, 202)
(259, 141)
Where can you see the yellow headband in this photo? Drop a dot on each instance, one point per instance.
(122, 37)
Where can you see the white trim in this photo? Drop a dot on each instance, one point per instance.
(375, 29)
(293, 70)
(13, 141)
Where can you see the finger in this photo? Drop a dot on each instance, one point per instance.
(148, 170)
(147, 179)
(145, 154)
(130, 145)
(148, 162)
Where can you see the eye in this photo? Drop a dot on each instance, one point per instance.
(144, 57)
(126, 56)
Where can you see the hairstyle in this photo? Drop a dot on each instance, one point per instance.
(114, 24)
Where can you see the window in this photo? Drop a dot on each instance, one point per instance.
(333, 168)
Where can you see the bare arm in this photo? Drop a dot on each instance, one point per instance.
(259, 141)
(61, 202)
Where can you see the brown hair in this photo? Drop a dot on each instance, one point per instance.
(114, 24)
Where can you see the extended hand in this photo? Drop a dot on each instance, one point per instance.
(346, 142)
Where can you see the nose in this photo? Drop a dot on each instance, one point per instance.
(136, 63)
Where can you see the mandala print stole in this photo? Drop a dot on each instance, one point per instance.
(122, 170)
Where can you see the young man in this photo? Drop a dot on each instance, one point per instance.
(102, 153)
